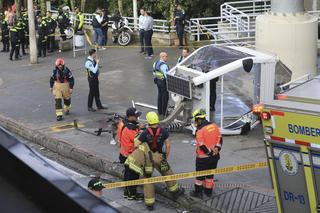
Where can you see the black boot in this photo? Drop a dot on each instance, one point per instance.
(197, 192)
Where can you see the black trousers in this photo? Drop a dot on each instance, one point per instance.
(51, 43)
(42, 46)
(163, 96)
(94, 92)
(148, 41)
(213, 93)
(62, 33)
(23, 44)
(141, 36)
(105, 34)
(5, 42)
(130, 175)
(14, 49)
(180, 33)
(205, 164)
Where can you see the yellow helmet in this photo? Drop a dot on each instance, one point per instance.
(152, 118)
(199, 113)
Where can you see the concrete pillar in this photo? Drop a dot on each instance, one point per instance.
(135, 14)
(32, 34)
(287, 6)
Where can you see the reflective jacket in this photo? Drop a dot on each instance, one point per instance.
(208, 134)
(127, 136)
(157, 72)
(78, 21)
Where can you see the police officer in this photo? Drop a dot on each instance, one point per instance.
(160, 69)
(179, 22)
(15, 42)
(92, 66)
(51, 25)
(63, 23)
(4, 34)
(22, 35)
(128, 133)
(185, 53)
(42, 36)
(78, 21)
(26, 28)
(208, 146)
(61, 85)
(153, 149)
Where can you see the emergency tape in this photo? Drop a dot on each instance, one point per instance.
(181, 176)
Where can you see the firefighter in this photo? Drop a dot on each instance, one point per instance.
(15, 42)
(4, 34)
(127, 135)
(22, 35)
(208, 146)
(179, 22)
(153, 149)
(160, 69)
(42, 36)
(78, 21)
(63, 23)
(51, 24)
(61, 86)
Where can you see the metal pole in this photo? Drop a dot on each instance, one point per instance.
(135, 15)
(221, 104)
(32, 34)
(315, 5)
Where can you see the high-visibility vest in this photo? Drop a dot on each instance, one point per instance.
(210, 136)
(127, 140)
(157, 70)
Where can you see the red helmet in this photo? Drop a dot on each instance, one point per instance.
(60, 61)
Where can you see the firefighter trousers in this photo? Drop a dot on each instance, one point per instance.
(61, 91)
(206, 182)
(149, 193)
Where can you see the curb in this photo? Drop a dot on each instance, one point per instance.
(82, 156)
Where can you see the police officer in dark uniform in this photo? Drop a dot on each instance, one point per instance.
(63, 23)
(160, 69)
(15, 42)
(4, 34)
(22, 35)
(179, 22)
(51, 24)
(42, 39)
(26, 28)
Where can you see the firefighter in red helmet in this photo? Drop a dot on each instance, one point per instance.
(61, 86)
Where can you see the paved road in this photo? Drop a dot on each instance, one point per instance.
(125, 76)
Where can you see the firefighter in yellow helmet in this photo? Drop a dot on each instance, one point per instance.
(208, 146)
(153, 149)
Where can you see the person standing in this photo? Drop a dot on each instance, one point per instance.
(42, 36)
(128, 133)
(213, 93)
(148, 32)
(61, 86)
(78, 21)
(142, 18)
(15, 42)
(96, 24)
(22, 35)
(208, 146)
(179, 22)
(153, 149)
(52, 25)
(105, 26)
(63, 23)
(92, 67)
(185, 53)
(160, 70)
(4, 34)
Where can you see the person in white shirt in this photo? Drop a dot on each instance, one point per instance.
(142, 19)
(148, 32)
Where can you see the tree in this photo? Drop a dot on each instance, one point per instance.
(18, 8)
(83, 5)
(1, 5)
(120, 7)
(72, 4)
(43, 6)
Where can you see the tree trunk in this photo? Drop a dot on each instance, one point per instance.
(120, 7)
(32, 34)
(83, 5)
(18, 7)
(72, 4)
(43, 6)
(1, 5)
